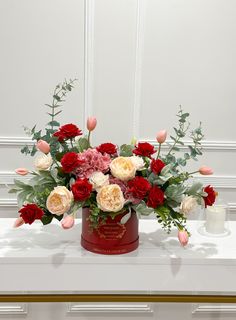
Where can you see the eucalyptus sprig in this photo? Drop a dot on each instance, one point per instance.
(59, 95)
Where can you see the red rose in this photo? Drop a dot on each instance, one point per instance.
(60, 137)
(30, 212)
(70, 161)
(81, 189)
(144, 149)
(157, 166)
(156, 197)
(70, 130)
(108, 148)
(139, 187)
(211, 196)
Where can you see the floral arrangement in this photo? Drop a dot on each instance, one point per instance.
(71, 173)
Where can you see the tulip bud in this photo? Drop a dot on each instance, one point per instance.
(91, 123)
(19, 221)
(68, 222)
(43, 146)
(22, 171)
(161, 136)
(204, 170)
(183, 237)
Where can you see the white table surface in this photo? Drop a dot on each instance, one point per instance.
(48, 258)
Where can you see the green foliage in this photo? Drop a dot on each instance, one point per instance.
(82, 144)
(142, 209)
(126, 150)
(180, 132)
(59, 95)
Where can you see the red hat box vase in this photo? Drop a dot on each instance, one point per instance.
(111, 237)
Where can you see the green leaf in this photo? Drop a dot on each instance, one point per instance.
(21, 197)
(142, 209)
(175, 192)
(83, 144)
(13, 190)
(195, 188)
(126, 150)
(25, 150)
(33, 151)
(48, 105)
(59, 218)
(54, 123)
(56, 97)
(46, 219)
(163, 212)
(37, 135)
(57, 113)
(166, 169)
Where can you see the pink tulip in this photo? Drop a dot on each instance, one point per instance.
(183, 237)
(91, 123)
(204, 170)
(19, 221)
(161, 136)
(22, 171)
(43, 146)
(68, 222)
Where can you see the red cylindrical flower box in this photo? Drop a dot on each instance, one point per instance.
(110, 237)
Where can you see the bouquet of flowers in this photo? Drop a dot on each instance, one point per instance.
(138, 177)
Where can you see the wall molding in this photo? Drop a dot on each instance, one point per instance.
(15, 141)
(214, 308)
(207, 145)
(220, 182)
(140, 25)
(8, 203)
(7, 177)
(74, 308)
(88, 58)
(13, 309)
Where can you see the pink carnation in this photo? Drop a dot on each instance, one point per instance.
(92, 161)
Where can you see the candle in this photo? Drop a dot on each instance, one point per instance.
(215, 219)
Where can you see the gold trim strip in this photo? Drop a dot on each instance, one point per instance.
(116, 298)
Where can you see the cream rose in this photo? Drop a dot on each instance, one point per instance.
(59, 200)
(188, 204)
(138, 162)
(110, 198)
(43, 162)
(98, 180)
(123, 168)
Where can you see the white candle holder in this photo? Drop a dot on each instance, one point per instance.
(214, 222)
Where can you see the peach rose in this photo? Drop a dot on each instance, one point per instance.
(110, 198)
(43, 162)
(59, 200)
(123, 168)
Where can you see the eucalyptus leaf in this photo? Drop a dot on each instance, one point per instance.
(195, 188)
(142, 209)
(125, 218)
(126, 150)
(175, 192)
(83, 144)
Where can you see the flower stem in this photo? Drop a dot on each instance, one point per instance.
(159, 150)
(89, 134)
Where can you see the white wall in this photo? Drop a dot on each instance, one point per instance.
(136, 61)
